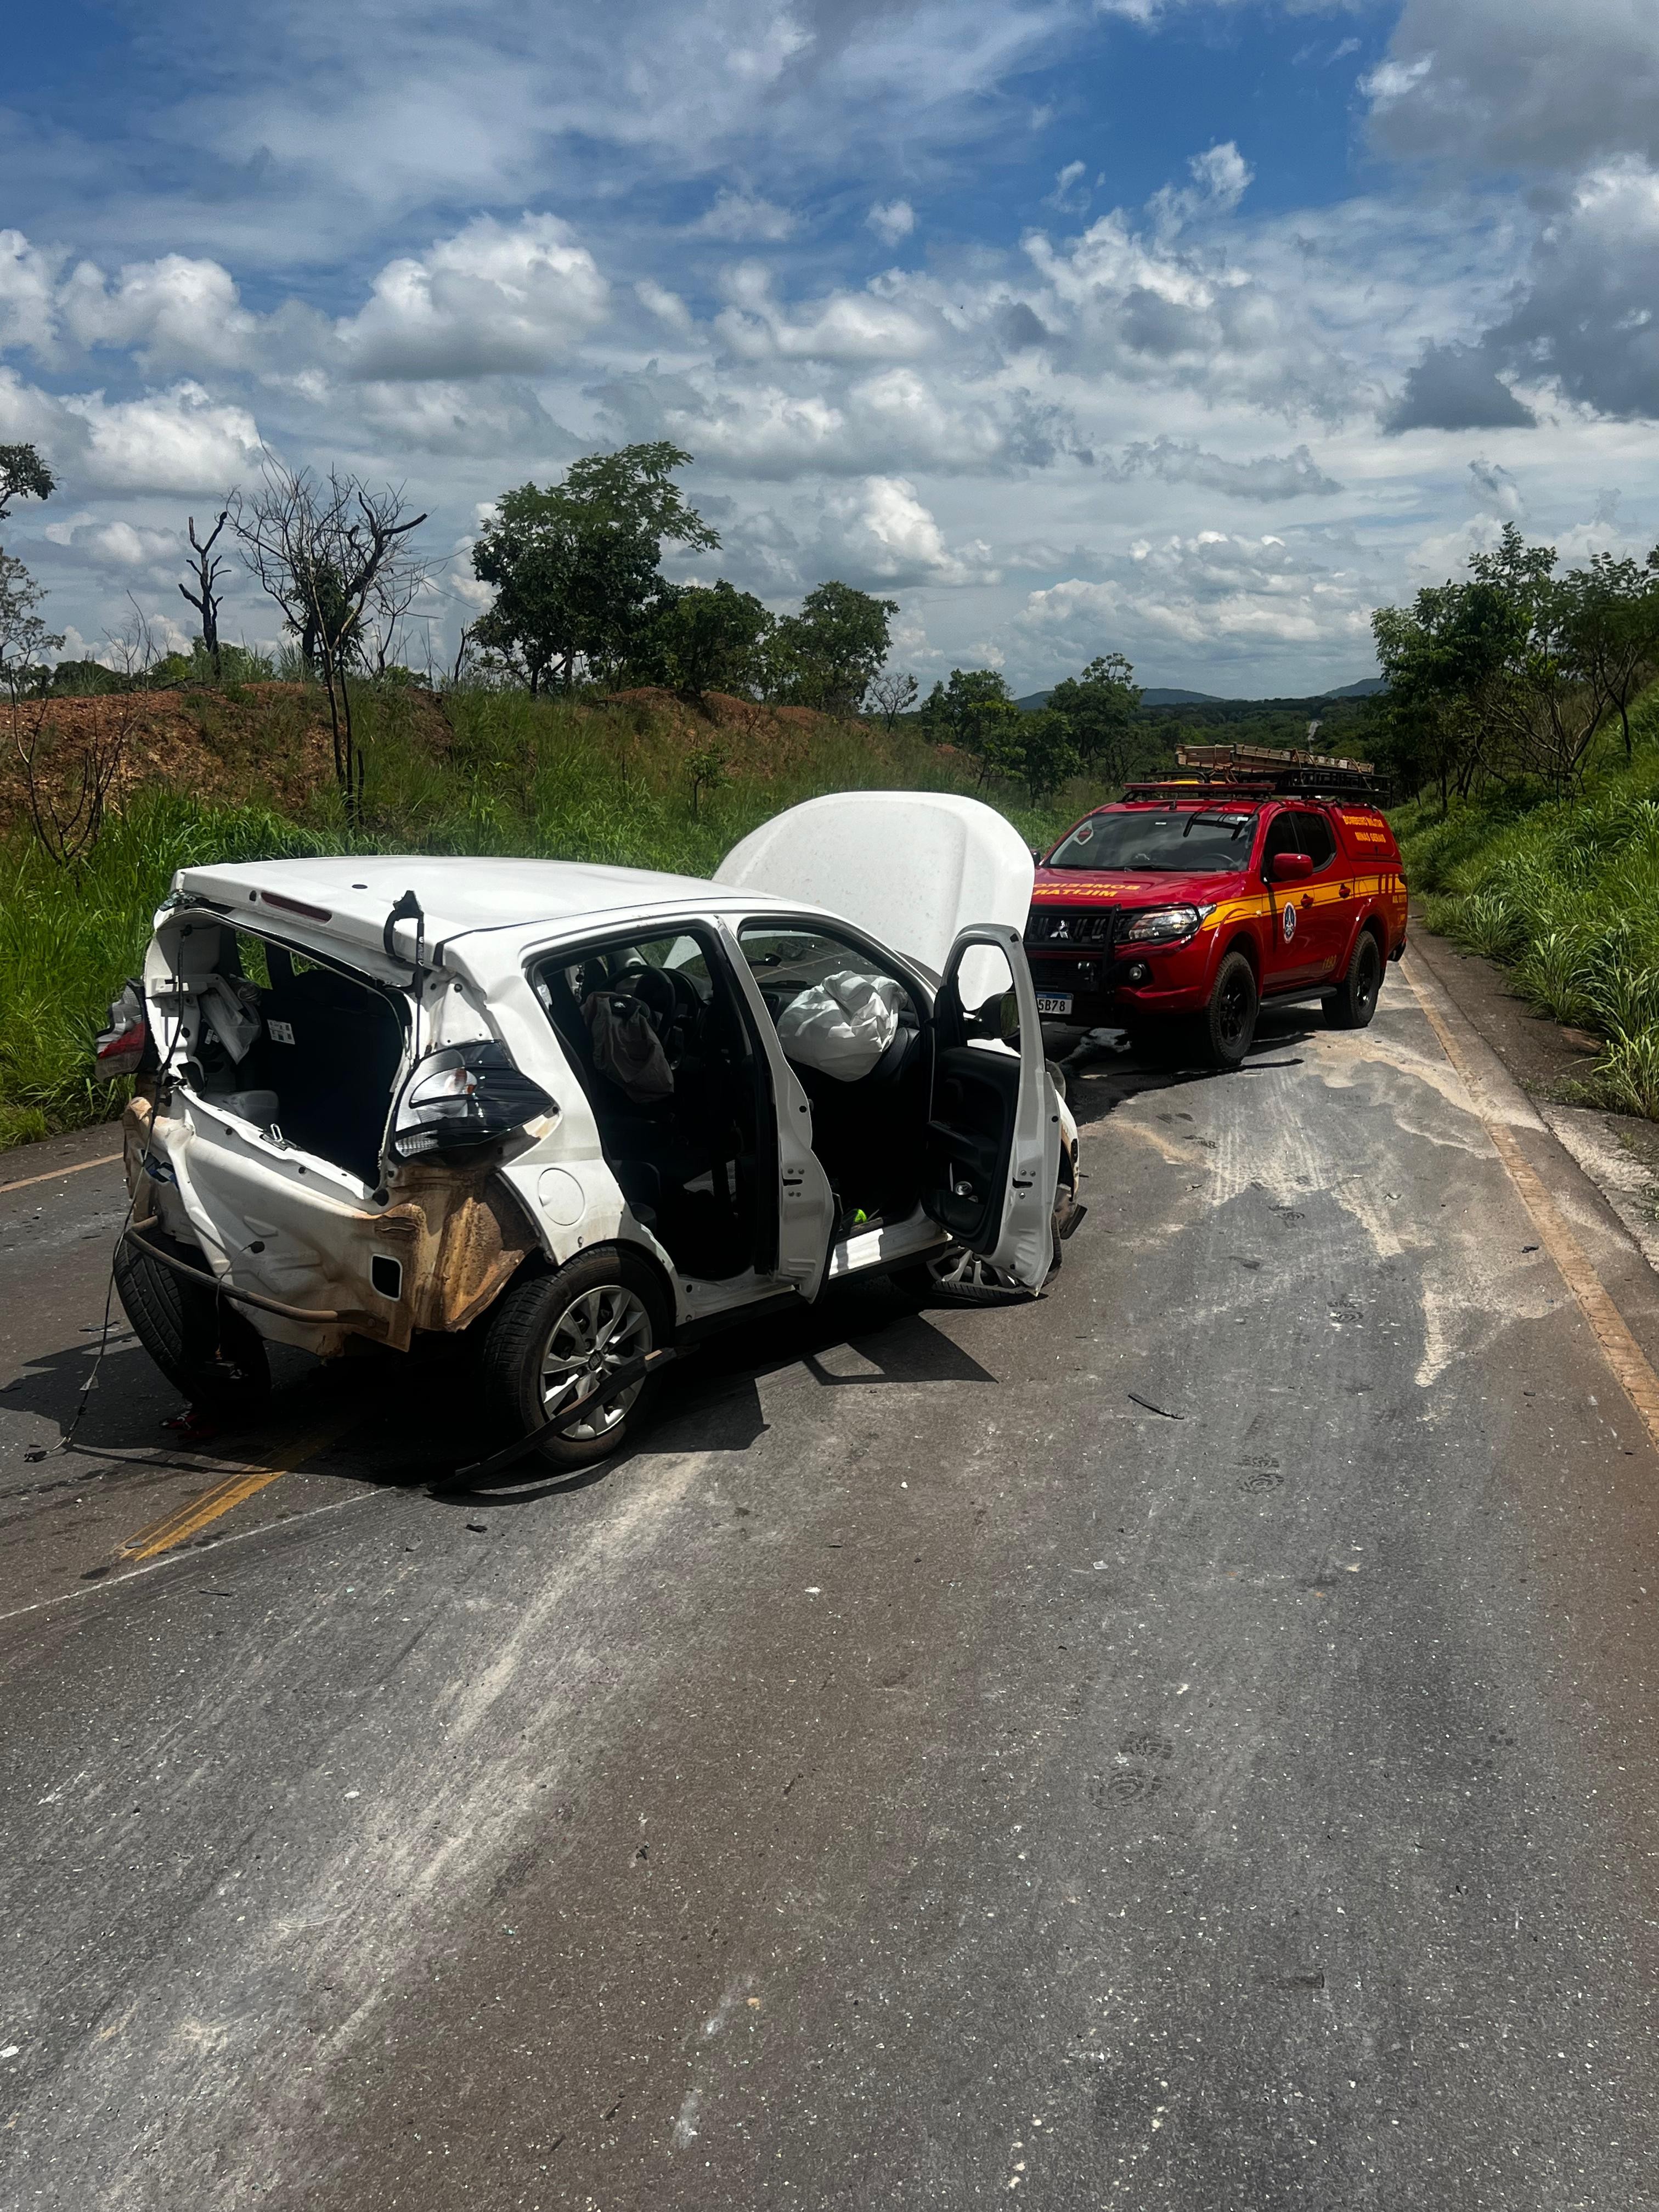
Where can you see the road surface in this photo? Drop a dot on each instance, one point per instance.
(1188, 1741)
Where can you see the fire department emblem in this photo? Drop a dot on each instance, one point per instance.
(1290, 921)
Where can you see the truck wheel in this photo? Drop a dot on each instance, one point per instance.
(201, 1343)
(1228, 1022)
(549, 1342)
(1353, 1006)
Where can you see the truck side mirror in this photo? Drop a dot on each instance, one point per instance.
(1289, 868)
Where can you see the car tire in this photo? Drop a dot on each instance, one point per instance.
(207, 1350)
(1227, 1025)
(1353, 1006)
(551, 1325)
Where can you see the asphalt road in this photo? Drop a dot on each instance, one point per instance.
(924, 1774)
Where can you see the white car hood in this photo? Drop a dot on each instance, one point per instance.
(912, 867)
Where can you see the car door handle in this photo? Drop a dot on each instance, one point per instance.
(1347, 890)
(1307, 899)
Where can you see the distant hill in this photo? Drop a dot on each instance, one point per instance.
(1155, 696)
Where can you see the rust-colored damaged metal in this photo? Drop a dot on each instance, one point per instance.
(461, 1237)
(135, 1118)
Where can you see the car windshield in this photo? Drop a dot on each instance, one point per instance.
(1159, 841)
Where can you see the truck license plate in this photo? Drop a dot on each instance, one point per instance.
(1053, 1002)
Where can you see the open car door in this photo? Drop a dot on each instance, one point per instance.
(992, 1150)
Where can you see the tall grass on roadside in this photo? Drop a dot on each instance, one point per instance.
(68, 941)
(1565, 893)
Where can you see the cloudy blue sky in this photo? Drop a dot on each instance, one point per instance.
(1187, 328)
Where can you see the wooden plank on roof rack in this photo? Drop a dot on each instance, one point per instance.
(1261, 758)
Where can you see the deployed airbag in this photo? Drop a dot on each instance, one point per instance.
(842, 1025)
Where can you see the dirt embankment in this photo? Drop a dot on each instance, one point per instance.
(257, 741)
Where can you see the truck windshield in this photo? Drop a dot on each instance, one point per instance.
(1159, 841)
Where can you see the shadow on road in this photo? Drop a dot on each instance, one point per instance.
(1102, 1071)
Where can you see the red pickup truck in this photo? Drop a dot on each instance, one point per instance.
(1194, 900)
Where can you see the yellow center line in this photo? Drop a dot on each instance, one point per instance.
(80, 1167)
(187, 1521)
(1623, 1354)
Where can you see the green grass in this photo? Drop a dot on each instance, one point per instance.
(1565, 893)
(514, 775)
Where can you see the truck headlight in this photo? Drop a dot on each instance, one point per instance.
(1162, 925)
(465, 1095)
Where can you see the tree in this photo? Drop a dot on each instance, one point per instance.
(323, 549)
(975, 714)
(1611, 625)
(704, 638)
(576, 567)
(24, 638)
(1047, 753)
(1444, 659)
(829, 655)
(23, 475)
(1098, 709)
(891, 696)
(207, 566)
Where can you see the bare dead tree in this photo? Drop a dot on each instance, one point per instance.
(132, 647)
(394, 594)
(463, 654)
(892, 696)
(324, 548)
(207, 566)
(67, 780)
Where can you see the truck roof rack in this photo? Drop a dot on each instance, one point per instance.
(1255, 772)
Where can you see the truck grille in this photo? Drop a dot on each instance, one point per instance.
(1057, 927)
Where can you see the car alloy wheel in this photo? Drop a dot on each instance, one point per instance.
(592, 1337)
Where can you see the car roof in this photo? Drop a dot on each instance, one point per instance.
(350, 896)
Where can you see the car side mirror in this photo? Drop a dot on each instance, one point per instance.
(1289, 868)
(1037, 855)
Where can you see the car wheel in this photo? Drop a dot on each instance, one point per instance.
(201, 1343)
(550, 1344)
(1353, 1006)
(1228, 1022)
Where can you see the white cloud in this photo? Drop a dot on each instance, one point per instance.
(1071, 195)
(28, 292)
(496, 297)
(171, 313)
(667, 307)
(845, 326)
(179, 441)
(882, 534)
(120, 545)
(1213, 590)
(739, 216)
(891, 220)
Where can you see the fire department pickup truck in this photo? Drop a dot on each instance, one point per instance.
(1246, 877)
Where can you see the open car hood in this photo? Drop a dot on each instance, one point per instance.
(913, 868)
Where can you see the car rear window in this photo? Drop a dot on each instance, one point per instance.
(1160, 841)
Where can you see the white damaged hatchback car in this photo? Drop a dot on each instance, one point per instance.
(584, 1114)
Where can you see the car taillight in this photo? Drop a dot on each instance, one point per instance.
(465, 1095)
(124, 1048)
